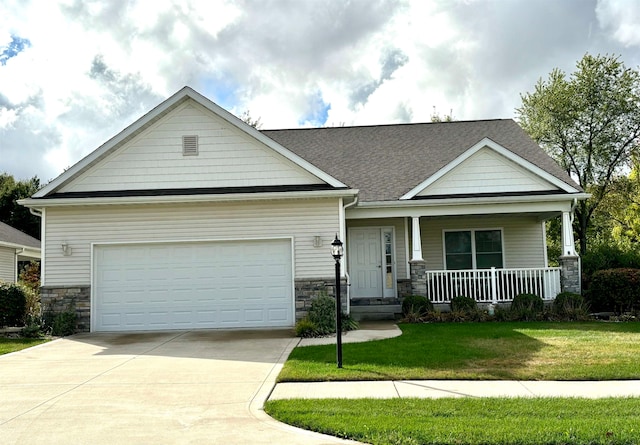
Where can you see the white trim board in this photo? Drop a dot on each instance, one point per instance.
(486, 142)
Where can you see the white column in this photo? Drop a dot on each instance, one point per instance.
(568, 243)
(416, 250)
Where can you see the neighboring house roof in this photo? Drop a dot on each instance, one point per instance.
(385, 162)
(12, 237)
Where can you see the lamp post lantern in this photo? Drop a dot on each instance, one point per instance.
(337, 251)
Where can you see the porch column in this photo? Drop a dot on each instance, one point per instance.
(416, 243)
(417, 266)
(570, 276)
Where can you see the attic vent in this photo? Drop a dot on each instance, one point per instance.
(189, 145)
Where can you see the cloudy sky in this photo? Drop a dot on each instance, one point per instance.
(73, 73)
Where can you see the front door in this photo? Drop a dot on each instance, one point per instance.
(372, 262)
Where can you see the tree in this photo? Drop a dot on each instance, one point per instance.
(623, 209)
(589, 122)
(435, 116)
(13, 213)
(247, 119)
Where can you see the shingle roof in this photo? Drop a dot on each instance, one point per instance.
(11, 235)
(386, 161)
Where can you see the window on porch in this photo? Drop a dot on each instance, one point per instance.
(473, 249)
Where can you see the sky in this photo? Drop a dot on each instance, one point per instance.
(75, 73)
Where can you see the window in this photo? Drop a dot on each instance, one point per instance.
(473, 249)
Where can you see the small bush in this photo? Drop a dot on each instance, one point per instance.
(13, 302)
(64, 324)
(415, 305)
(305, 328)
(30, 277)
(463, 304)
(570, 306)
(616, 290)
(526, 307)
(321, 319)
(322, 313)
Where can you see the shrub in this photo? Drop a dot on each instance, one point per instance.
(305, 328)
(463, 304)
(413, 305)
(526, 307)
(64, 323)
(322, 313)
(615, 290)
(321, 319)
(569, 305)
(12, 305)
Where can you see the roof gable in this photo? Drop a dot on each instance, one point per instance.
(154, 159)
(144, 151)
(488, 168)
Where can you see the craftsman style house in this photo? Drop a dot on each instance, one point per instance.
(189, 218)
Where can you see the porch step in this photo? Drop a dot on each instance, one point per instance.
(376, 312)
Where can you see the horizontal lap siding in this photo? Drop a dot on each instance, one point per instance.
(523, 239)
(227, 157)
(79, 227)
(7, 264)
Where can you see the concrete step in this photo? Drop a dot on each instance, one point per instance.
(376, 312)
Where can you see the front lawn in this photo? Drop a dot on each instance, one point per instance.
(480, 351)
(8, 345)
(488, 421)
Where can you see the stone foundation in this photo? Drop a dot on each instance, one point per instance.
(310, 288)
(418, 277)
(57, 299)
(570, 274)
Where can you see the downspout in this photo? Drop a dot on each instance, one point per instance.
(15, 267)
(346, 273)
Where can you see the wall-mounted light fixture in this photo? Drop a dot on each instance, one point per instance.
(317, 241)
(66, 249)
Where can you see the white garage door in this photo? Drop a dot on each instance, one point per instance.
(192, 285)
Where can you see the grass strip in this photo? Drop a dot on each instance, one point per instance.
(453, 421)
(480, 351)
(8, 345)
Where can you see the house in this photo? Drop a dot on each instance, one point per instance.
(189, 218)
(15, 247)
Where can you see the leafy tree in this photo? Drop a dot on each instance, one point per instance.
(623, 209)
(247, 119)
(589, 122)
(13, 213)
(435, 116)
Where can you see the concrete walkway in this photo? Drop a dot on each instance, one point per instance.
(441, 388)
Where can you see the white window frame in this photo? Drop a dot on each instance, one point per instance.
(473, 244)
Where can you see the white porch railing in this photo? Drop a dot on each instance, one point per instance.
(492, 285)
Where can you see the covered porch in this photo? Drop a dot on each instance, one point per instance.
(487, 252)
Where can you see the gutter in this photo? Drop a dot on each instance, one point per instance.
(346, 273)
(39, 203)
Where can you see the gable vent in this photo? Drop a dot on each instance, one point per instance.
(189, 145)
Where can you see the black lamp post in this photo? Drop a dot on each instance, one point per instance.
(337, 251)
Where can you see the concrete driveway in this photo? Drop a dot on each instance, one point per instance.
(176, 387)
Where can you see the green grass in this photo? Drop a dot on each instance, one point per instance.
(8, 345)
(480, 351)
(468, 421)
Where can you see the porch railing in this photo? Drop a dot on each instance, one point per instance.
(492, 285)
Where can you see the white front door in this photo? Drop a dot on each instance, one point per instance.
(372, 262)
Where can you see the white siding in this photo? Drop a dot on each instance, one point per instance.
(80, 226)
(486, 172)
(398, 225)
(523, 244)
(7, 264)
(227, 157)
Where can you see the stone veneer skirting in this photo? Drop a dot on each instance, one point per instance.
(570, 274)
(309, 288)
(69, 298)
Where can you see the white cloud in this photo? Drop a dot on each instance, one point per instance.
(93, 67)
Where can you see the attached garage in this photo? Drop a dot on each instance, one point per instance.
(192, 285)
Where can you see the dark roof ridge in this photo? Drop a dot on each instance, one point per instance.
(401, 124)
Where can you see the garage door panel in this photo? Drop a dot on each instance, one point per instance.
(193, 285)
